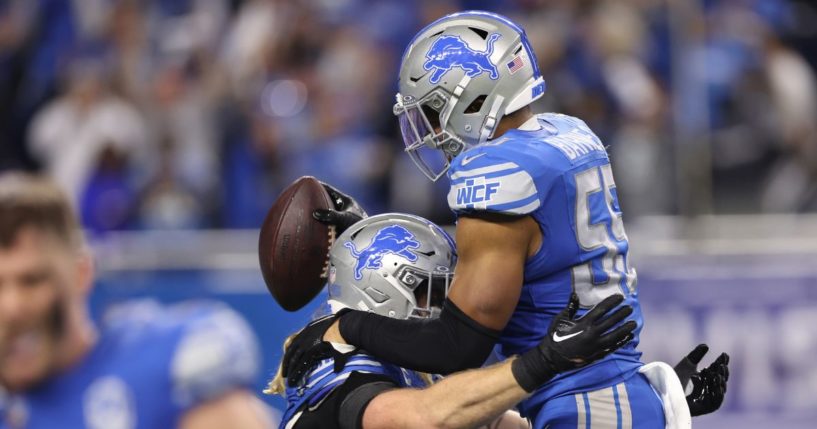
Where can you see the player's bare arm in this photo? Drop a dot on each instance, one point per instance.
(468, 399)
(492, 254)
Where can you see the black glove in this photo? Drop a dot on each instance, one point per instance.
(573, 343)
(308, 348)
(346, 213)
(708, 385)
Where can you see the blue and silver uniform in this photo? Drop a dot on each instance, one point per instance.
(323, 380)
(556, 170)
(150, 365)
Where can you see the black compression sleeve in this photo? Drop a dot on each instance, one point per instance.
(344, 407)
(350, 415)
(453, 342)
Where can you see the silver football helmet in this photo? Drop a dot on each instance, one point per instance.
(393, 264)
(459, 76)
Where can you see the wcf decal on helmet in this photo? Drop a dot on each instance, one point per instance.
(391, 240)
(450, 51)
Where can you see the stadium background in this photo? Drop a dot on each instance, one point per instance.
(173, 124)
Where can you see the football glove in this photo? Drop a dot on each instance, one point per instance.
(308, 348)
(573, 343)
(707, 387)
(346, 212)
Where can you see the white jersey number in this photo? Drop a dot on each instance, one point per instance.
(599, 225)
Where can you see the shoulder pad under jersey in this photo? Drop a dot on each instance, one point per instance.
(492, 178)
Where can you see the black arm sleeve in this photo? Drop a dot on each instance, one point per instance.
(350, 414)
(453, 342)
(344, 407)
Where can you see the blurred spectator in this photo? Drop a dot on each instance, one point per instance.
(15, 27)
(183, 120)
(190, 366)
(255, 39)
(70, 135)
(108, 199)
(167, 202)
(793, 93)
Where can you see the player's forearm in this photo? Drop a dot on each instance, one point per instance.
(463, 400)
(452, 342)
(473, 397)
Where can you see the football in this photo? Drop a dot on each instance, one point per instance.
(293, 247)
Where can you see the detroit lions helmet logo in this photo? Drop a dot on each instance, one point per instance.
(448, 52)
(391, 240)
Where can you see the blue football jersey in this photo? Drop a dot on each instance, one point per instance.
(150, 365)
(323, 380)
(555, 170)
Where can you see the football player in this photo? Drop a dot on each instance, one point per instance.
(538, 220)
(189, 366)
(400, 266)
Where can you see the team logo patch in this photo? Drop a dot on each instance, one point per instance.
(448, 52)
(391, 240)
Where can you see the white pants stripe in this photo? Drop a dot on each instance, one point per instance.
(607, 408)
(624, 406)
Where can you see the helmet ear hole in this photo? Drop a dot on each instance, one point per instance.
(476, 105)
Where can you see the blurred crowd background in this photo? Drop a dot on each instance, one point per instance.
(184, 114)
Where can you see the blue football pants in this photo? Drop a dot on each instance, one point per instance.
(629, 405)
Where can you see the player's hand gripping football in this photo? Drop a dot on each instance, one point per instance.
(573, 343)
(307, 348)
(708, 384)
(347, 211)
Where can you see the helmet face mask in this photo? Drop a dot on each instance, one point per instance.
(430, 289)
(472, 68)
(395, 265)
(424, 136)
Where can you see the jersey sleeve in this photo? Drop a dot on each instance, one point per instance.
(494, 179)
(216, 352)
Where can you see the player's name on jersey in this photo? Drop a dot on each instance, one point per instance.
(576, 143)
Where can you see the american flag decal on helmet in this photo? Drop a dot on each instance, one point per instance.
(515, 64)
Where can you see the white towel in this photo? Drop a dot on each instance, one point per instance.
(668, 387)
